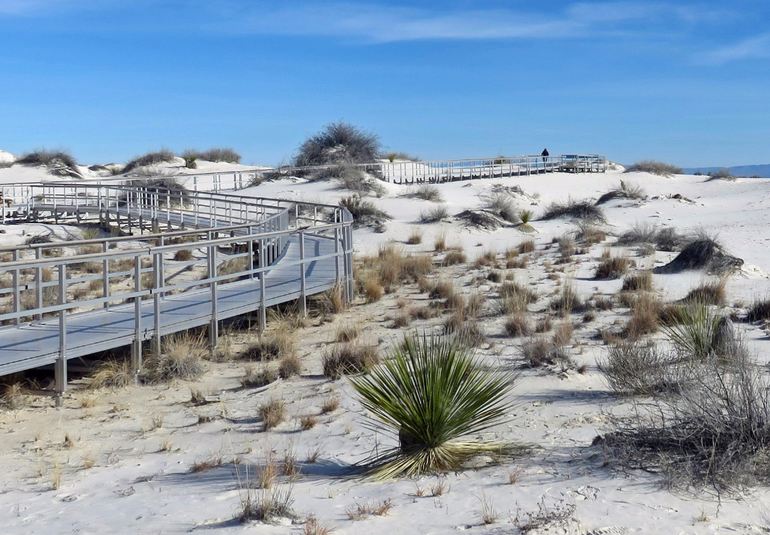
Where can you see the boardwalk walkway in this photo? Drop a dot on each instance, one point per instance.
(281, 252)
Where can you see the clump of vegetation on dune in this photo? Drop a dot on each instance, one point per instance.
(364, 212)
(623, 191)
(338, 143)
(721, 174)
(151, 158)
(432, 394)
(703, 252)
(59, 162)
(655, 168)
(580, 210)
(217, 154)
(664, 239)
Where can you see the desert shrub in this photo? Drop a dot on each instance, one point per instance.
(364, 212)
(518, 324)
(338, 143)
(347, 359)
(439, 242)
(638, 369)
(455, 397)
(373, 289)
(562, 334)
(582, 210)
(527, 246)
(434, 215)
(623, 191)
(714, 432)
(427, 192)
(272, 413)
(453, 257)
(637, 282)
(59, 162)
(502, 206)
(567, 301)
(541, 351)
(514, 297)
(181, 357)
(270, 346)
(355, 179)
(709, 293)
(703, 252)
(612, 267)
(183, 255)
(701, 332)
(112, 374)
(589, 234)
(665, 239)
(655, 168)
(645, 314)
(151, 158)
(218, 154)
(393, 266)
(567, 248)
(398, 155)
(721, 174)
(254, 377)
(289, 366)
(759, 310)
(415, 237)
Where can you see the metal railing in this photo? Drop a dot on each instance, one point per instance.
(232, 239)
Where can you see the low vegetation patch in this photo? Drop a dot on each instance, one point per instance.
(181, 358)
(337, 143)
(217, 154)
(348, 359)
(59, 163)
(365, 213)
(612, 267)
(655, 168)
(623, 191)
(705, 253)
(581, 210)
(151, 158)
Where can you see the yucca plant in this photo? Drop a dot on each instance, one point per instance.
(431, 393)
(700, 332)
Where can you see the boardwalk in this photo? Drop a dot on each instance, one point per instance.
(256, 253)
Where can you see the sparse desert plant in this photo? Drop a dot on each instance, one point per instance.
(354, 179)
(181, 357)
(540, 351)
(364, 212)
(330, 404)
(645, 315)
(502, 206)
(337, 143)
(359, 511)
(373, 290)
(612, 267)
(273, 412)
(439, 242)
(13, 395)
(454, 397)
(709, 293)
(401, 320)
(589, 233)
(632, 368)
(183, 255)
(518, 325)
(289, 366)
(308, 422)
(346, 359)
(151, 158)
(453, 257)
(217, 154)
(562, 334)
(638, 282)
(313, 527)
(623, 191)
(654, 167)
(434, 215)
(713, 432)
(415, 237)
(759, 310)
(347, 332)
(427, 192)
(112, 374)
(702, 252)
(567, 301)
(488, 513)
(580, 210)
(526, 216)
(548, 518)
(258, 377)
(720, 174)
(527, 246)
(270, 346)
(266, 505)
(701, 332)
(59, 162)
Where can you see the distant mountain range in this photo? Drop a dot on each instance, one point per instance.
(737, 170)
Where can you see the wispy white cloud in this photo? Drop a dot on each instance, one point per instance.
(756, 47)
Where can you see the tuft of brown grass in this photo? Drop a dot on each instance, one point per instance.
(308, 422)
(645, 314)
(289, 366)
(255, 378)
(330, 404)
(349, 358)
(273, 412)
(518, 325)
(612, 267)
(439, 243)
(271, 346)
(527, 246)
(641, 281)
(415, 237)
(112, 374)
(708, 293)
(453, 257)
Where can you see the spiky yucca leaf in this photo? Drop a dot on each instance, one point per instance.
(697, 334)
(430, 393)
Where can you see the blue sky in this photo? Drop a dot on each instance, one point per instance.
(681, 81)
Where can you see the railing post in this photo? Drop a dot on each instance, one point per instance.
(136, 348)
(16, 290)
(106, 275)
(262, 287)
(39, 285)
(302, 289)
(158, 278)
(214, 325)
(60, 367)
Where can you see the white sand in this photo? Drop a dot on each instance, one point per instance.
(134, 487)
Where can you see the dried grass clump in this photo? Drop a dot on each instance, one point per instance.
(518, 325)
(439, 242)
(393, 266)
(337, 143)
(567, 302)
(612, 267)
(714, 432)
(415, 238)
(709, 293)
(454, 256)
(59, 163)
(704, 252)
(271, 346)
(272, 413)
(527, 246)
(365, 213)
(654, 167)
(638, 282)
(645, 314)
(372, 288)
(348, 359)
(540, 351)
(112, 374)
(254, 377)
(353, 178)
(181, 358)
(427, 192)
(631, 368)
(217, 154)
(759, 310)
(13, 396)
(514, 298)
(267, 505)
(581, 210)
(289, 366)
(501, 205)
(434, 215)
